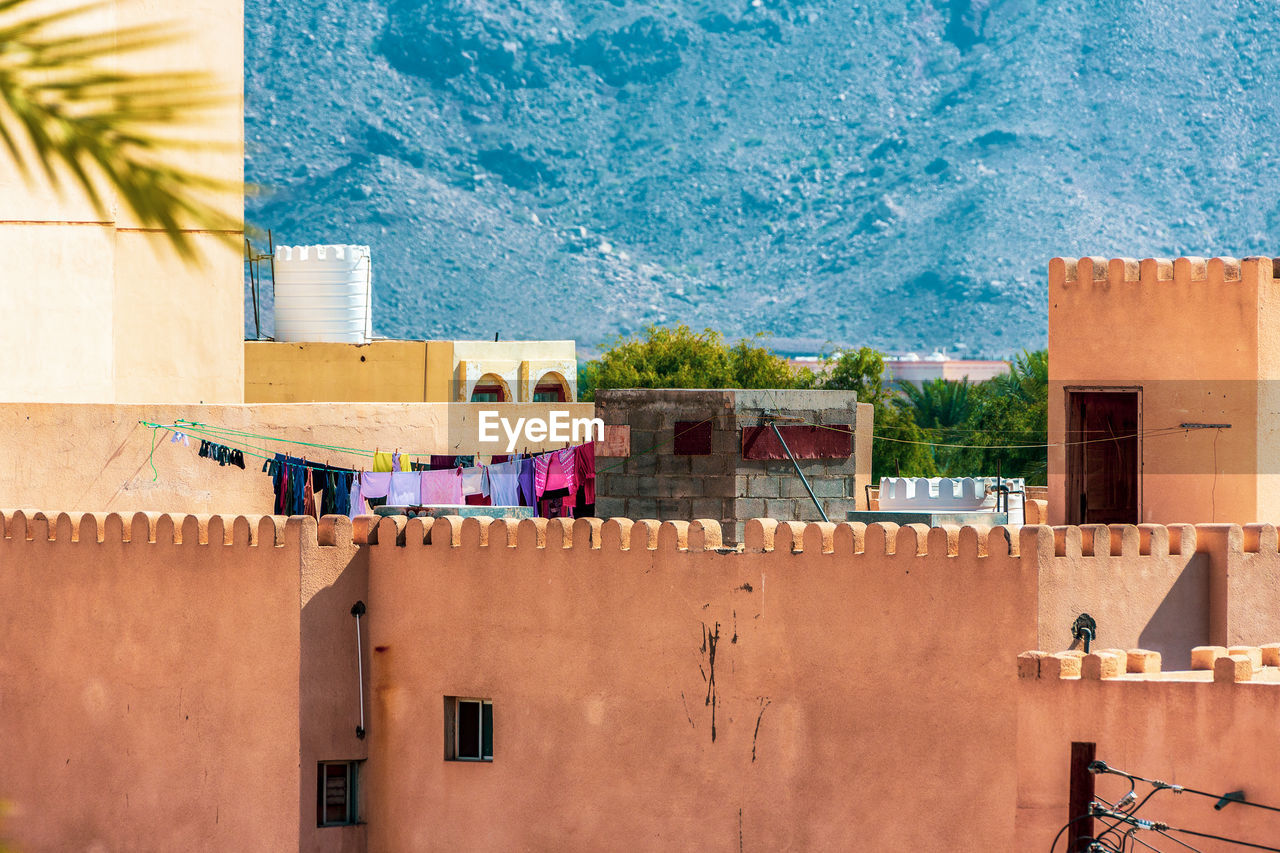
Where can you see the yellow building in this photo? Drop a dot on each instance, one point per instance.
(411, 372)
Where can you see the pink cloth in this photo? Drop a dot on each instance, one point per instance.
(555, 470)
(375, 485)
(442, 487)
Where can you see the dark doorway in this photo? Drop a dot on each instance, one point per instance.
(1103, 460)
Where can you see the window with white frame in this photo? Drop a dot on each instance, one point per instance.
(468, 732)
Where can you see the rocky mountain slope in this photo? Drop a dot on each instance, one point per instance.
(893, 173)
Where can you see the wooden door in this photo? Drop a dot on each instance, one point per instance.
(1103, 457)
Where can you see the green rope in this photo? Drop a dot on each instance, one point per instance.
(155, 475)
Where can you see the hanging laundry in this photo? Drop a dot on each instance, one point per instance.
(503, 484)
(382, 462)
(308, 493)
(586, 471)
(472, 480)
(527, 480)
(405, 489)
(442, 487)
(554, 471)
(375, 485)
(357, 504)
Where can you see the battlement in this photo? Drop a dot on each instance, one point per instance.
(762, 535)
(24, 526)
(1110, 272)
(1224, 665)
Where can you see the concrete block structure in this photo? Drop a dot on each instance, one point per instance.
(711, 454)
(1177, 423)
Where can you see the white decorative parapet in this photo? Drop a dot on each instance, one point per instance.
(323, 293)
(947, 494)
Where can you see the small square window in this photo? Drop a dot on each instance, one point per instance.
(692, 438)
(337, 799)
(468, 729)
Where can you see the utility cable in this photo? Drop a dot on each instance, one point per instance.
(1101, 767)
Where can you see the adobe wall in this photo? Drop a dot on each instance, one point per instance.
(150, 688)
(335, 575)
(1184, 728)
(82, 458)
(98, 308)
(651, 691)
(1198, 336)
(1167, 589)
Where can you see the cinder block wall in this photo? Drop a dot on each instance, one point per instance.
(656, 481)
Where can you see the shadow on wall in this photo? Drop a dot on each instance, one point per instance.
(1181, 622)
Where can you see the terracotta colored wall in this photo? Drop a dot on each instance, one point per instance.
(149, 689)
(1167, 589)
(99, 309)
(334, 578)
(89, 457)
(161, 692)
(1208, 354)
(833, 717)
(1209, 736)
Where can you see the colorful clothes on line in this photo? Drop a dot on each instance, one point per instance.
(357, 505)
(472, 480)
(528, 497)
(503, 484)
(221, 454)
(375, 485)
(585, 469)
(405, 489)
(555, 470)
(382, 462)
(442, 487)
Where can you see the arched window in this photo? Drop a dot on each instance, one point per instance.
(489, 389)
(551, 388)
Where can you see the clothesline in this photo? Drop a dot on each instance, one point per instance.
(557, 482)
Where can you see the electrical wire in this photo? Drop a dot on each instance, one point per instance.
(1182, 789)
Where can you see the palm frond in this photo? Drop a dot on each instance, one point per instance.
(66, 115)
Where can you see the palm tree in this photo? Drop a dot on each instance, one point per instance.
(938, 403)
(65, 113)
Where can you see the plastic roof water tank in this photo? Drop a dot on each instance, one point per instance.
(323, 293)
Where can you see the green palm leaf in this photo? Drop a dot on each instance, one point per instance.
(65, 114)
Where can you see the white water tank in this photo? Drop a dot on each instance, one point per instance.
(323, 293)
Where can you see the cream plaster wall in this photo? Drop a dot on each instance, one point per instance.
(104, 311)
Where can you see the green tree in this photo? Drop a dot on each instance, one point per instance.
(65, 111)
(898, 447)
(941, 408)
(1009, 425)
(678, 357)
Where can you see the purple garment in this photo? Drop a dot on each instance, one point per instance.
(375, 485)
(406, 489)
(527, 495)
